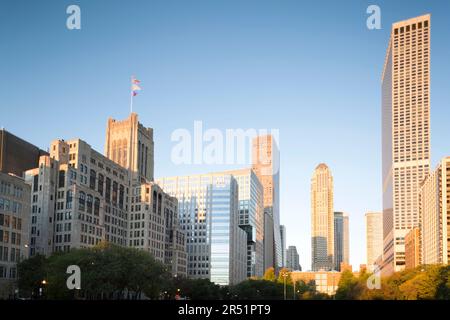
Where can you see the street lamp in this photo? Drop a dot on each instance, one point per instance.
(285, 276)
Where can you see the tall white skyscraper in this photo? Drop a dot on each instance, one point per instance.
(405, 133)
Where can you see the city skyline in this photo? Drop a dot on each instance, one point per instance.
(296, 164)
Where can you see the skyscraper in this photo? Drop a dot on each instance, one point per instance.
(209, 214)
(251, 218)
(292, 259)
(266, 164)
(405, 133)
(268, 241)
(341, 240)
(130, 144)
(435, 215)
(374, 238)
(283, 244)
(322, 219)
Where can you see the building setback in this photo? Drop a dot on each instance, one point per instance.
(405, 134)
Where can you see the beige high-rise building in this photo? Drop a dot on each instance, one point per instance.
(374, 239)
(322, 219)
(130, 144)
(435, 215)
(405, 133)
(412, 248)
(266, 165)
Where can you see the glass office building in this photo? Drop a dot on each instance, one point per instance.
(209, 214)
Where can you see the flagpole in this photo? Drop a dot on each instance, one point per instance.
(131, 97)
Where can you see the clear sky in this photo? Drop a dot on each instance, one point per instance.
(310, 69)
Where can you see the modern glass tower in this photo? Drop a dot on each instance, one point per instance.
(341, 240)
(405, 133)
(208, 209)
(322, 219)
(251, 218)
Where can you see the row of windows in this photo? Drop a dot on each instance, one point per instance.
(7, 221)
(4, 273)
(5, 237)
(12, 206)
(9, 189)
(14, 255)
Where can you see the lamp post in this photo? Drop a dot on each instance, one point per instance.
(294, 291)
(284, 276)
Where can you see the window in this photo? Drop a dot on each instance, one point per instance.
(97, 206)
(108, 190)
(61, 179)
(92, 179)
(82, 201)
(114, 194)
(100, 184)
(89, 203)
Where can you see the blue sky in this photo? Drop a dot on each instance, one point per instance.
(310, 69)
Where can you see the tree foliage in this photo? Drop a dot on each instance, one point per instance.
(421, 283)
(107, 271)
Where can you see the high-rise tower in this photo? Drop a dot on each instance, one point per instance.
(322, 219)
(405, 133)
(130, 144)
(266, 165)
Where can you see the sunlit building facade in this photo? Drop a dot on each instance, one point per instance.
(322, 219)
(374, 240)
(130, 144)
(405, 134)
(435, 215)
(266, 164)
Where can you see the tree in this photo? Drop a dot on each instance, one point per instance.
(269, 275)
(284, 273)
(31, 273)
(107, 272)
(258, 290)
(348, 287)
(423, 285)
